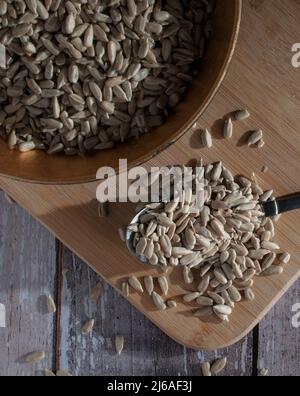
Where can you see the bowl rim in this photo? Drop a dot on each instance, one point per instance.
(90, 178)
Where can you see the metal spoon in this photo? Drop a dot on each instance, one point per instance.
(270, 208)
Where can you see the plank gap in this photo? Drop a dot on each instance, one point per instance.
(58, 293)
(255, 352)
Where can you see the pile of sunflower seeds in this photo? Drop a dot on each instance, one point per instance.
(83, 75)
(222, 242)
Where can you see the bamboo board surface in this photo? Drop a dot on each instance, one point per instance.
(260, 78)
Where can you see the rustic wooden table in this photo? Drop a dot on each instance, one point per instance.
(33, 264)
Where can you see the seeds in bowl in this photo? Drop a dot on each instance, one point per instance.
(220, 242)
(81, 76)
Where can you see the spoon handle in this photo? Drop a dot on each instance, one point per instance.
(282, 205)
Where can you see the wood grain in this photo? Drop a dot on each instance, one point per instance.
(262, 79)
(147, 350)
(27, 268)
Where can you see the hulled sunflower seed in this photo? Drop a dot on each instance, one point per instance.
(63, 373)
(51, 304)
(163, 284)
(35, 357)
(158, 301)
(87, 328)
(96, 292)
(119, 344)
(218, 366)
(241, 115)
(149, 284)
(206, 138)
(135, 284)
(228, 128)
(205, 367)
(255, 137)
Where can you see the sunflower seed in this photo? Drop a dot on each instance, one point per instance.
(255, 137)
(191, 297)
(206, 138)
(228, 128)
(63, 373)
(125, 289)
(171, 304)
(35, 357)
(273, 270)
(149, 284)
(49, 373)
(119, 344)
(204, 312)
(96, 292)
(249, 294)
(135, 284)
(284, 258)
(158, 301)
(205, 367)
(163, 284)
(222, 309)
(87, 328)
(241, 115)
(264, 372)
(51, 304)
(218, 366)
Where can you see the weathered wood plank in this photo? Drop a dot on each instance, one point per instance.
(279, 340)
(27, 272)
(147, 351)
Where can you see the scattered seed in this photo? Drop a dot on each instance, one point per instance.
(35, 357)
(49, 373)
(218, 366)
(125, 289)
(96, 292)
(228, 128)
(87, 328)
(264, 372)
(119, 344)
(255, 137)
(206, 138)
(51, 304)
(163, 284)
(205, 367)
(158, 301)
(63, 373)
(284, 258)
(241, 115)
(171, 304)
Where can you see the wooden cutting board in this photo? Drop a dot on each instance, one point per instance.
(262, 79)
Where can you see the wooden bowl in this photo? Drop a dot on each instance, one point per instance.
(39, 167)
